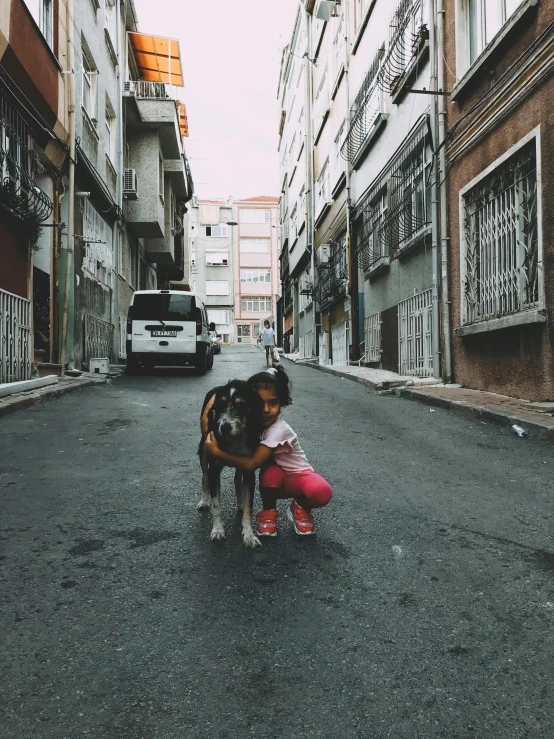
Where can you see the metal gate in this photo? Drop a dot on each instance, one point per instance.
(324, 348)
(15, 338)
(98, 338)
(305, 345)
(339, 343)
(372, 338)
(415, 350)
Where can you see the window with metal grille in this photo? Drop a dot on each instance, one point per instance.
(500, 239)
(333, 275)
(304, 291)
(366, 111)
(408, 34)
(372, 246)
(97, 241)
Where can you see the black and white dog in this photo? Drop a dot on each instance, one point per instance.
(236, 420)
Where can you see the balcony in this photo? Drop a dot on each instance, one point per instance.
(149, 107)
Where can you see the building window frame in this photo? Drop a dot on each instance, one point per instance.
(255, 246)
(255, 275)
(514, 259)
(254, 215)
(256, 304)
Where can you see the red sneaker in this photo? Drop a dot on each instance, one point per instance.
(302, 519)
(267, 523)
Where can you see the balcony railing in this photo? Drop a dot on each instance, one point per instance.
(333, 276)
(408, 36)
(151, 90)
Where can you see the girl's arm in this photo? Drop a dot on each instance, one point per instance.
(248, 464)
(204, 419)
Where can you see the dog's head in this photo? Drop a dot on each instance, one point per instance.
(236, 412)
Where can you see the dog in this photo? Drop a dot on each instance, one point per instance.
(236, 421)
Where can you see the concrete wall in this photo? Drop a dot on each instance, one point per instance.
(146, 213)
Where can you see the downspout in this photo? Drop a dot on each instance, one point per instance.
(309, 148)
(352, 264)
(447, 363)
(71, 189)
(118, 230)
(435, 339)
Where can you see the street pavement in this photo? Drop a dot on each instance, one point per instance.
(423, 608)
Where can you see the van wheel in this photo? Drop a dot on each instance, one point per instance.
(202, 364)
(211, 361)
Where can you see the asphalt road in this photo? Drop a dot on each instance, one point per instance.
(423, 608)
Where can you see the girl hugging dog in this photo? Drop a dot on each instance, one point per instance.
(285, 470)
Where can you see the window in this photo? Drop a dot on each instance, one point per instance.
(110, 132)
(161, 178)
(304, 291)
(217, 287)
(500, 240)
(217, 258)
(483, 20)
(260, 246)
(322, 192)
(43, 14)
(219, 231)
(371, 241)
(160, 307)
(254, 215)
(339, 164)
(255, 275)
(90, 78)
(294, 222)
(244, 334)
(408, 34)
(218, 316)
(361, 7)
(255, 305)
(366, 111)
(322, 85)
(97, 242)
(110, 20)
(338, 48)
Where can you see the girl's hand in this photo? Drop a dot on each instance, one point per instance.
(211, 445)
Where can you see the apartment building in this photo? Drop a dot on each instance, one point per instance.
(498, 70)
(92, 147)
(255, 264)
(211, 257)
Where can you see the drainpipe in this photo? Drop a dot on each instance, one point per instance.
(118, 229)
(447, 364)
(71, 190)
(352, 264)
(309, 153)
(435, 341)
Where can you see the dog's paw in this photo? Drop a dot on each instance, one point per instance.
(251, 541)
(203, 505)
(217, 535)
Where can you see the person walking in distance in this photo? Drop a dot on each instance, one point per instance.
(267, 337)
(286, 472)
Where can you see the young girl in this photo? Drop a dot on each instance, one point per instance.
(267, 337)
(286, 473)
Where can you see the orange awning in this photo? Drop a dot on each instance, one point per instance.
(183, 120)
(158, 58)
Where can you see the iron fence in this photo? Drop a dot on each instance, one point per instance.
(15, 338)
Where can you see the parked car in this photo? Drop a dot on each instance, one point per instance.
(216, 342)
(167, 327)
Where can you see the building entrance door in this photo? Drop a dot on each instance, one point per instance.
(244, 333)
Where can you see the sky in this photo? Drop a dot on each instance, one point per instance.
(231, 56)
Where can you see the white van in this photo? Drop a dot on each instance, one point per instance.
(167, 327)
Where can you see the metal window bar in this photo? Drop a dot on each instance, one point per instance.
(371, 245)
(372, 336)
(19, 162)
(415, 350)
(365, 110)
(97, 338)
(15, 338)
(333, 276)
(407, 35)
(501, 240)
(339, 343)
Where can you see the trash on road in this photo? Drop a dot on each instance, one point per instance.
(521, 432)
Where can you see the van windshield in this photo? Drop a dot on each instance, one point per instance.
(160, 307)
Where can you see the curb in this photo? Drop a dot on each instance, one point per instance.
(345, 376)
(13, 403)
(463, 408)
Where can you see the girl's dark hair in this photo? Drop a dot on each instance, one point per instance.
(274, 377)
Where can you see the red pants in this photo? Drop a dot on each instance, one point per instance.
(308, 488)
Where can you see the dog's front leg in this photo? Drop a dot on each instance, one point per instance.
(238, 488)
(214, 476)
(247, 489)
(204, 502)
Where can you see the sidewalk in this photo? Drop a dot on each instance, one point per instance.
(536, 418)
(29, 398)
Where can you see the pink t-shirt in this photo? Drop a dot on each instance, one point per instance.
(287, 452)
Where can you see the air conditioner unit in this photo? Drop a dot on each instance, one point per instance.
(128, 89)
(324, 253)
(130, 184)
(325, 10)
